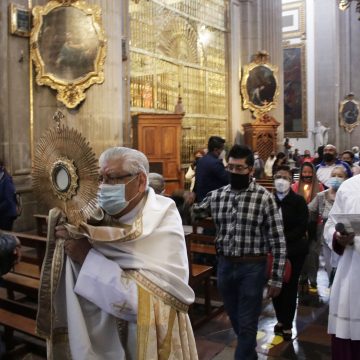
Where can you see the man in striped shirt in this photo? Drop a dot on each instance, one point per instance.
(248, 226)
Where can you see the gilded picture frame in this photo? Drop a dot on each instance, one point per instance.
(349, 113)
(293, 20)
(259, 85)
(68, 48)
(19, 20)
(295, 95)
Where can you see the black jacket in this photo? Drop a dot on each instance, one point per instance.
(295, 216)
(7, 257)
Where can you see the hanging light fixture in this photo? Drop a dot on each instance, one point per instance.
(344, 4)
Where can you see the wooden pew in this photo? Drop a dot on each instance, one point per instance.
(199, 276)
(33, 241)
(41, 224)
(15, 316)
(21, 283)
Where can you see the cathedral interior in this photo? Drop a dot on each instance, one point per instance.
(162, 76)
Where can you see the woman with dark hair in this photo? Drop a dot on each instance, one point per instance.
(308, 187)
(294, 214)
(7, 199)
(280, 160)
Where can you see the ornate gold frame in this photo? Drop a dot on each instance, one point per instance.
(253, 78)
(298, 10)
(19, 20)
(63, 163)
(349, 127)
(70, 61)
(298, 65)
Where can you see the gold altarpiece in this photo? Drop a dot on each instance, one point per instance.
(179, 48)
(261, 135)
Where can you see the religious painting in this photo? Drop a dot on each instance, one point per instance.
(293, 20)
(19, 20)
(68, 48)
(349, 113)
(259, 85)
(295, 119)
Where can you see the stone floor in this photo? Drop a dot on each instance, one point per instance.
(216, 339)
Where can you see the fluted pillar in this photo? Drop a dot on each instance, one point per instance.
(254, 25)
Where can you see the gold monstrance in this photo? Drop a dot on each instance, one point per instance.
(65, 172)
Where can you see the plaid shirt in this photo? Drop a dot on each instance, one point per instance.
(248, 223)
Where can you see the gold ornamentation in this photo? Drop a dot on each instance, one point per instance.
(68, 47)
(65, 173)
(63, 178)
(154, 289)
(349, 116)
(259, 84)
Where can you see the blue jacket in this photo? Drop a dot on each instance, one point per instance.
(7, 197)
(210, 174)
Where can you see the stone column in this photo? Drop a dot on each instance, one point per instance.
(254, 25)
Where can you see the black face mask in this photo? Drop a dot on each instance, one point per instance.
(239, 181)
(308, 178)
(328, 157)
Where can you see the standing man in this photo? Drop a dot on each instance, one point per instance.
(248, 226)
(258, 166)
(210, 170)
(269, 164)
(330, 160)
(121, 292)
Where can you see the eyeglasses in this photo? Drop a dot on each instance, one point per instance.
(113, 179)
(276, 177)
(240, 169)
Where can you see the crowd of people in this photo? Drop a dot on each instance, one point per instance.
(128, 267)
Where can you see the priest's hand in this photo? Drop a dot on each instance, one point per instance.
(345, 239)
(76, 249)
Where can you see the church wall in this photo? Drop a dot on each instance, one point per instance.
(100, 117)
(337, 53)
(349, 43)
(14, 111)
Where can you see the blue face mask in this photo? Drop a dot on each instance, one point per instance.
(335, 182)
(112, 198)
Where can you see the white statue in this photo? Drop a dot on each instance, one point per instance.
(321, 133)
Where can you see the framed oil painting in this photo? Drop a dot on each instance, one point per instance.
(19, 20)
(295, 107)
(259, 85)
(68, 47)
(349, 113)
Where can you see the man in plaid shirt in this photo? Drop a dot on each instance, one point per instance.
(248, 226)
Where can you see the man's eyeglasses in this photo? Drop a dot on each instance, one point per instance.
(113, 179)
(237, 168)
(276, 177)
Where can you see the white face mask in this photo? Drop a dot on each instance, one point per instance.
(282, 185)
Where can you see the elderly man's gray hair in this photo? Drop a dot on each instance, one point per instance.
(134, 161)
(157, 182)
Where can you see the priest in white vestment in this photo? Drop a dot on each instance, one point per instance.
(117, 286)
(344, 309)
